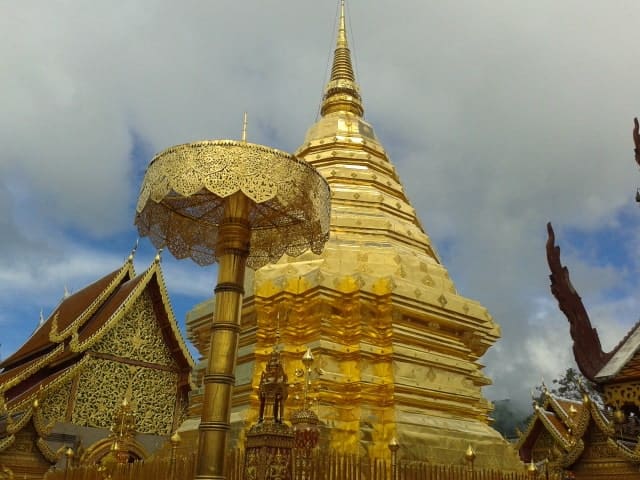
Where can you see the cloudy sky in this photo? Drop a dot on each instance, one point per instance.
(499, 115)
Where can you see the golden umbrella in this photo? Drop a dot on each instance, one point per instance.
(239, 204)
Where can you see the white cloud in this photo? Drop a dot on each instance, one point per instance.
(499, 116)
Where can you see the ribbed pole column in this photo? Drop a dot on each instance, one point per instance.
(233, 247)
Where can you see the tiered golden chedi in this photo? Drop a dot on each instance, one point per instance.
(396, 346)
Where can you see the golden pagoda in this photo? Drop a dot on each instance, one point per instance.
(396, 347)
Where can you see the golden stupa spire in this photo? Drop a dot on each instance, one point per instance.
(342, 93)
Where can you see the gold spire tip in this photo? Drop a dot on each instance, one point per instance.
(342, 92)
(342, 29)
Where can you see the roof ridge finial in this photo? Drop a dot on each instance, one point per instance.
(342, 93)
(133, 250)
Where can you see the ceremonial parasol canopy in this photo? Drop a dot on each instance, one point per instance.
(182, 200)
(239, 204)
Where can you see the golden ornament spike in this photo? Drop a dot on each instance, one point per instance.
(176, 439)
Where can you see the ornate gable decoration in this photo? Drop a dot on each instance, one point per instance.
(114, 337)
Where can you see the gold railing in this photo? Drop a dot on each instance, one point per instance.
(332, 466)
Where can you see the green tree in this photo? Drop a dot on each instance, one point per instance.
(506, 418)
(567, 386)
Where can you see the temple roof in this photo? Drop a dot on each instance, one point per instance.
(58, 347)
(567, 422)
(625, 361)
(74, 309)
(596, 365)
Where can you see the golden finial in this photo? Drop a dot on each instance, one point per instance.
(531, 468)
(619, 416)
(244, 127)
(307, 358)
(342, 93)
(158, 256)
(134, 250)
(36, 404)
(176, 438)
(572, 410)
(393, 444)
(470, 454)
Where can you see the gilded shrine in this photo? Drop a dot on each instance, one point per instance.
(396, 346)
(110, 352)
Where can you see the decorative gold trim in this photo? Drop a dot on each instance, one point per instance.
(15, 427)
(77, 346)
(154, 269)
(627, 453)
(32, 369)
(601, 422)
(28, 400)
(551, 428)
(581, 424)
(54, 336)
(47, 452)
(572, 455)
(289, 201)
(523, 436)
(43, 429)
(102, 447)
(7, 442)
(57, 337)
(186, 152)
(171, 316)
(558, 409)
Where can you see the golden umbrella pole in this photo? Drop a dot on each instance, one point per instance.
(242, 205)
(233, 245)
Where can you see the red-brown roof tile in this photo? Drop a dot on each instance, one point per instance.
(69, 310)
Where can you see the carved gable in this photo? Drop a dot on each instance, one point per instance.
(104, 383)
(137, 336)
